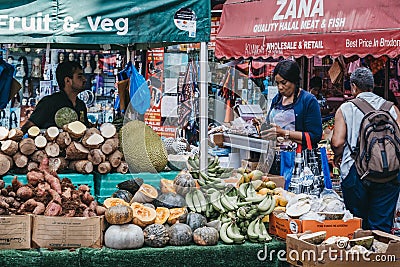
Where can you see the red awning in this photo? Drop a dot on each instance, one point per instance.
(273, 28)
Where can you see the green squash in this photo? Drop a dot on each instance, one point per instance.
(183, 182)
(170, 200)
(124, 195)
(206, 236)
(180, 234)
(195, 220)
(156, 236)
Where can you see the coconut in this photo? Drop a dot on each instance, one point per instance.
(297, 209)
(365, 241)
(314, 238)
(340, 241)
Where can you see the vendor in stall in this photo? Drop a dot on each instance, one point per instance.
(71, 81)
(293, 112)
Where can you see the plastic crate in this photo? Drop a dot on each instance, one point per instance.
(77, 179)
(106, 184)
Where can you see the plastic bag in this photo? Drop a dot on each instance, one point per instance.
(139, 92)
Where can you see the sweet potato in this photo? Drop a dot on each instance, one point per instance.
(33, 206)
(25, 192)
(100, 210)
(2, 184)
(87, 198)
(83, 188)
(34, 177)
(15, 183)
(53, 181)
(53, 209)
(56, 197)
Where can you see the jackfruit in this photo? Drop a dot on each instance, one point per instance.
(142, 147)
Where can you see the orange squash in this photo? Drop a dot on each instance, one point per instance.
(167, 186)
(177, 215)
(162, 215)
(143, 215)
(114, 201)
(145, 194)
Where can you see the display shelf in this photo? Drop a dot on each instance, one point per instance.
(246, 143)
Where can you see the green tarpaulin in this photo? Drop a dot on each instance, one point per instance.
(125, 22)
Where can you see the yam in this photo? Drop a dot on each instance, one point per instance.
(57, 164)
(63, 140)
(33, 132)
(38, 156)
(76, 151)
(82, 166)
(108, 130)
(51, 133)
(40, 141)
(27, 146)
(6, 164)
(123, 167)
(15, 135)
(104, 167)
(93, 141)
(52, 149)
(3, 133)
(75, 129)
(110, 145)
(96, 156)
(9, 147)
(115, 158)
(20, 160)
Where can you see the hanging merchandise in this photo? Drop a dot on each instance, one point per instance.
(139, 93)
(6, 80)
(188, 110)
(228, 93)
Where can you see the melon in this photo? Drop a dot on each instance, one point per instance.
(64, 116)
(365, 241)
(314, 238)
(142, 147)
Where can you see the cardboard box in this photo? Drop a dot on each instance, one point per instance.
(277, 179)
(218, 139)
(15, 232)
(282, 227)
(67, 232)
(333, 227)
(301, 253)
(250, 164)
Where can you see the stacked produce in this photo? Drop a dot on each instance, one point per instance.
(203, 210)
(46, 194)
(75, 147)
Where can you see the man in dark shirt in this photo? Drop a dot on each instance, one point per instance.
(71, 80)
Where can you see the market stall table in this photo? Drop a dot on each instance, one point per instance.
(220, 255)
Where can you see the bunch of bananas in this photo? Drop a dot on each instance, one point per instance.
(196, 201)
(214, 170)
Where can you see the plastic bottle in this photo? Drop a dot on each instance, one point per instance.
(294, 185)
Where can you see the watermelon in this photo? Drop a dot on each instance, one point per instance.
(64, 116)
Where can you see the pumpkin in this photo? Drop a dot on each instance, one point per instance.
(123, 194)
(206, 236)
(156, 236)
(170, 200)
(143, 215)
(180, 234)
(126, 236)
(167, 186)
(114, 201)
(119, 214)
(131, 185)
(195, 220)
(162, 215)
(145, 194)
(177, 215)
(183, 182)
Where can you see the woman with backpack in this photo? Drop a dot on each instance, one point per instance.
(370, 178)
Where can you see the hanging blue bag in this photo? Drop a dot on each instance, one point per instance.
(139, 92)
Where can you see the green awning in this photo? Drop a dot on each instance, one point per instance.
(124, 22)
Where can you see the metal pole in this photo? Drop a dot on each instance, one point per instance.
(203, 146)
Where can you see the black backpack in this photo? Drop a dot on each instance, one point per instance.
(377, 156)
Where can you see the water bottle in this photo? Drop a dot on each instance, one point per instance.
(295, 184)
